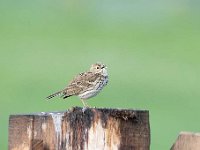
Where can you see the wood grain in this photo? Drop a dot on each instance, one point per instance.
(78, 129)
(187, 141)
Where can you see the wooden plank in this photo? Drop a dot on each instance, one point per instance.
(78, 129)
(187, 141)
(20, 132)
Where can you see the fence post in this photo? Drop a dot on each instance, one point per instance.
(187, 141)
(78, 129)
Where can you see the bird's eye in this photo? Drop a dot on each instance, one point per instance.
(97, 67)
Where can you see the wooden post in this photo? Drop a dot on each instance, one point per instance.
(187, 141)
(81, 129)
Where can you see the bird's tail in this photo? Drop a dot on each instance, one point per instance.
(53, 95)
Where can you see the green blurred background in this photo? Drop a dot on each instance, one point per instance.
(151, 49)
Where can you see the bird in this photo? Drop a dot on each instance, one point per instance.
(85, 85)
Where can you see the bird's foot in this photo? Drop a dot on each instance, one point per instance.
(84, 108)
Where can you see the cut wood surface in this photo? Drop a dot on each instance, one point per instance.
(81, 129)
(187, 141)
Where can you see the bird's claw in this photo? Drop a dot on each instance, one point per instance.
(84, 109)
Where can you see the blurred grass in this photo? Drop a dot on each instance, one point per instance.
(151, 50)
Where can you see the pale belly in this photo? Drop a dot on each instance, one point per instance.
(93, 91)
(89, 94)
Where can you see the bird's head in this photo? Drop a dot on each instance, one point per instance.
(99, 68)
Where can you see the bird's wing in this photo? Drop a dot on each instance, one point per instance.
(81, 83)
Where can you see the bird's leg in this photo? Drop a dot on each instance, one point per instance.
(84, 103)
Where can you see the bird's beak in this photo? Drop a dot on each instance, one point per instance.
(104, 66)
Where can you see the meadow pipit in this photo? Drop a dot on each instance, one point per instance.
(86, 84)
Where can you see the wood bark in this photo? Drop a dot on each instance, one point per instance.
(81, 129)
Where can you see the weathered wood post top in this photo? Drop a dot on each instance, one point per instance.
(81, 129)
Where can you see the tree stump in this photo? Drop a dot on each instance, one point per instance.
(187, 141)
(81, 129)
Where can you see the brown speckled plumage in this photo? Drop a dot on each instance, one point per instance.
(85, 85)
